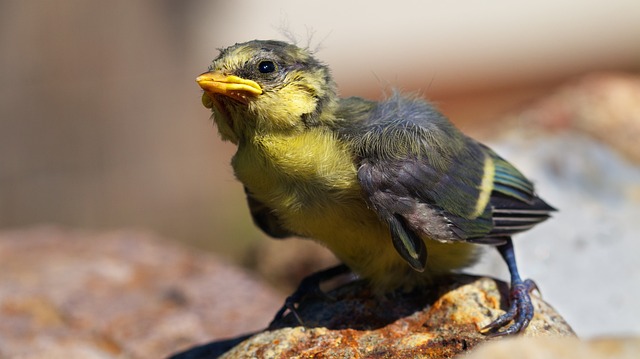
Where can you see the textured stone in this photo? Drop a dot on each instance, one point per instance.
(122, 294)
(558, 348)
(605, 106)
(284, 263)
(577, 145)
(438, 322)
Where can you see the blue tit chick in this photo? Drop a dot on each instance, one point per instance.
(392, 188)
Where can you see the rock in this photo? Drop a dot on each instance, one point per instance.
(604, 106)
(558, 348)
(574, 145)
(439, 322)
(122, 294)
(284, 263)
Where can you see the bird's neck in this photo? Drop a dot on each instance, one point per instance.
(270, 163)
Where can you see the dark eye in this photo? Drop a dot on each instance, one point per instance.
(266, 67)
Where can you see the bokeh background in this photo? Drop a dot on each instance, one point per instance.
(101, 125)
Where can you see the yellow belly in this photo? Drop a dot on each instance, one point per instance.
(310, 182)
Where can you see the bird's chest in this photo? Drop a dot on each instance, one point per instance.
(309, 180)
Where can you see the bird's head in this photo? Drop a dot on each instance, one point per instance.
(267, 87)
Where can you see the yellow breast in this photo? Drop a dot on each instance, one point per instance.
(309, 179)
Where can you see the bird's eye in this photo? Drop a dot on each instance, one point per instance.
(266, 67)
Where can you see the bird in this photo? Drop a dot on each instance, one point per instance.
(391, 187)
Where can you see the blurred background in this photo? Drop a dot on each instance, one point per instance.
(101, 125)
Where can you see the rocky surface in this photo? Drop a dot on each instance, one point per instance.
(603, 106)
(578, 145)
(123, 294)
(558, 348)
(439, 322)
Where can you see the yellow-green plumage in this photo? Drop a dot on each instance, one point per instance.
(314, 192)
(392, 187)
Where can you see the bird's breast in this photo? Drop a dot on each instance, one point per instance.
(301, 173)
(310, 182)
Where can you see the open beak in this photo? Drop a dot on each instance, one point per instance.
(231, 86)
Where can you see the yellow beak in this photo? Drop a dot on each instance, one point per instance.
(234, 87)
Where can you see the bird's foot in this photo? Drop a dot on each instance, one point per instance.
(309, 287)
(520, 311)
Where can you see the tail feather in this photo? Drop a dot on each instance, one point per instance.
(511, 215)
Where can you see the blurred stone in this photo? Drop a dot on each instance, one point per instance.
(558, 348)
(439, 322)
(604, 106)
(284, 263)
(575, 146)
(122, 294)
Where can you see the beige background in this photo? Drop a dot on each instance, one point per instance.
(101, 124)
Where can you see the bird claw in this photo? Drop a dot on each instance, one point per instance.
(309, 288)
(305, 290)
(520, 311)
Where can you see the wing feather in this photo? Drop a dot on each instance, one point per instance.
(265, 218)
(417, 169)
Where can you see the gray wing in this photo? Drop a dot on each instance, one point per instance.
(265, 218)
(425, 178)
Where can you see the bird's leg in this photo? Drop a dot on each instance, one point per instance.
(521, 307)
(309, 286)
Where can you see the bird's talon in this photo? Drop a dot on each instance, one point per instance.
(288, 306)
(309, 288)
(292, 309)
(531, 286)
(520, 312)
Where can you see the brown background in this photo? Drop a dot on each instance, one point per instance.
(100, 119)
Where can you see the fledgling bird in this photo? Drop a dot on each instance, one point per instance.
(392, 188)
